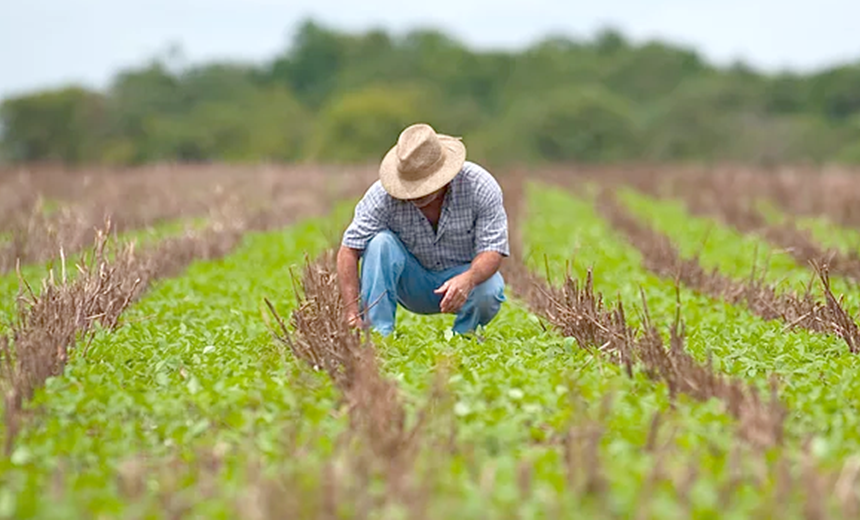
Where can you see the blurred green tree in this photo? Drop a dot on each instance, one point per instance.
(336, 96)
(836, 92)
(65, 125)
(363, 125)
(587, 124)
(312, 64)
(700, 118)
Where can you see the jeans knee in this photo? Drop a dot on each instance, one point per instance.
(488, 296)
(385, 246)
(383, 240)
(383, 252)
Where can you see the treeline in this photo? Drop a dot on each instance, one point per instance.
(334, 97)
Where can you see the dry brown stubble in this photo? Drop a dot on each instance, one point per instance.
(63, 313)
(576, 306)
(377, 443)
(575, 310)
(830, 192)
(139, 198)
(735, 207)
(51, 323)
(784, 485)
(731, 193)
(731, 196)
(795, 310)
(801, 191)
(386, 446)
(60, 316)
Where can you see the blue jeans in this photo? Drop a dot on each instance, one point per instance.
(390, 275)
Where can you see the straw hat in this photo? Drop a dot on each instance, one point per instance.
(421, 162)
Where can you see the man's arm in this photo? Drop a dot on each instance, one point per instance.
(491, 244)
(347, 273)
(369, 218)
(484, 266)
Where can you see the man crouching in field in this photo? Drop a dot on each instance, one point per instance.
(430, 233)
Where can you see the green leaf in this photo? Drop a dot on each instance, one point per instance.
(461, 409)
(21, 455)
(193, 385)
(199, 427)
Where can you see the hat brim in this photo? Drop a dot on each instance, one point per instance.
(455, 157)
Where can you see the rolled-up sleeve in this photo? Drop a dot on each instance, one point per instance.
(370, 217)
(491, 227)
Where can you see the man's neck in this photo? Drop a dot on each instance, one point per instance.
(433, 211)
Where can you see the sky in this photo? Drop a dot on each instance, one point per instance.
(50, 43)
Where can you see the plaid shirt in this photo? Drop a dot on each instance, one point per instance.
(473, 220)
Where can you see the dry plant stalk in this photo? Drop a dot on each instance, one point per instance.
(262, 197)
(318, 335)
(732, 198)
(321, 339)
(575, 310)
(284, 494)
(759, 423)
(36, 236)
(52, 322)
(732, 194)
(831, 192)
(838, 318)
(796, 310)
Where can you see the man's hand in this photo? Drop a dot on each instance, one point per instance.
(458, 288)
(456, 291)
(353, 319)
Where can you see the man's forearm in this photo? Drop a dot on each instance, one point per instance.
(484, 266)
(347, 273)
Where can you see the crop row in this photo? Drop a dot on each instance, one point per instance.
(99, 288)
(191, 366)
(816, 372)
(795, 310)
(191, 400)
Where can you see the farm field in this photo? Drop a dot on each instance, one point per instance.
(637, 370)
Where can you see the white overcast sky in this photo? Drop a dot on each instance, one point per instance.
(46, 43)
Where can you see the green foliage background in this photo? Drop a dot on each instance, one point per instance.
(338, 97)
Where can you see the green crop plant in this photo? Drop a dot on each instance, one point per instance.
(193, 406)
(817, 374)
